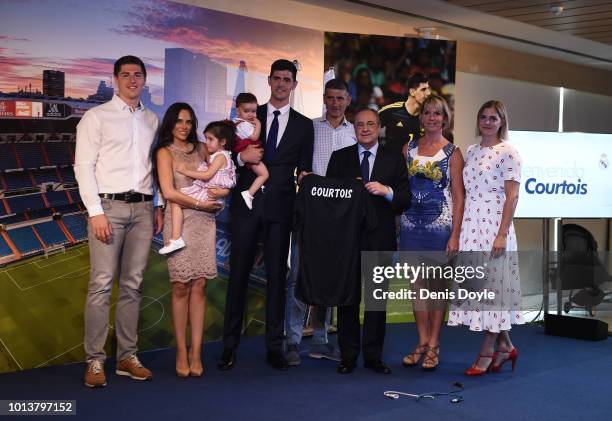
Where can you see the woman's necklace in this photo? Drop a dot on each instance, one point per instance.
(183, 149)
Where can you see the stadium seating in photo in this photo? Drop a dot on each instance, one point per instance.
(5, 250)
(27, 202)
(58, 153)
(30, 155)
(16, 180)
(46, 175)
(77, 225)
(67, 174)
(51, 233)
(74, 193)
(39, 213)
(35, 206)
(70, 208)
(56, 198)
(25, 240)
(12, 219)
(7, 157)
(24, 160)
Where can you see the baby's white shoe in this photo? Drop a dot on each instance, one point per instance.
(174, 245)
(248, 199)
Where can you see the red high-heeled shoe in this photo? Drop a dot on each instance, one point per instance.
(475, 371)
(512, 356)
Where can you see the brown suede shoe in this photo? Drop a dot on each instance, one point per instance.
(94, 375)
(133, 368)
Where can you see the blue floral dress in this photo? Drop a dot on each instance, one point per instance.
(427, 224)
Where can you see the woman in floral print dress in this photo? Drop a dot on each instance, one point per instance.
(491, 178)
(433, 220)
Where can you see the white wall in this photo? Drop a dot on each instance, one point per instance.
(532, 107)
(586, 112)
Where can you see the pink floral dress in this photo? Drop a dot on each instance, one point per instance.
(486, 169)
(225, 178)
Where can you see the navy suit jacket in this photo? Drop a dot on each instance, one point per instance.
(389, 169)
(294, 151)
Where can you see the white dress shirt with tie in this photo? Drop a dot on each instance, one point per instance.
(283, 119)
(373, 150)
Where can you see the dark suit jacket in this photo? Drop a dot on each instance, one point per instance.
(293, 151)
(389, 169)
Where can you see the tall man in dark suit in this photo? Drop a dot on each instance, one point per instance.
(287, 139)
(385, 176)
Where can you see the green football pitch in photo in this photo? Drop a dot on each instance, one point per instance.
(42, 301)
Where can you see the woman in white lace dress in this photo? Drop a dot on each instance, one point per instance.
(492, 178)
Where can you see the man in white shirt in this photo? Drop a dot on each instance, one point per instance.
(113, 169)
(332, 131)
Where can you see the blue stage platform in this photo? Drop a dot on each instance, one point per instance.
(556, 379)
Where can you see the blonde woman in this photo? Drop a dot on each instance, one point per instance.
(433, 220)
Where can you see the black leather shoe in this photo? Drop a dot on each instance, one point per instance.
(228, 359)
(346, 366)
(277, 361)
(378, 366)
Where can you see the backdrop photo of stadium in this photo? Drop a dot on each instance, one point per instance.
(376, 68)
(48, 80)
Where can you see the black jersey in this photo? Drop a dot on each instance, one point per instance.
(400, 126)
(331, 214)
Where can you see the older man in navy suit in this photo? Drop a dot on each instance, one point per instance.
(385, 176)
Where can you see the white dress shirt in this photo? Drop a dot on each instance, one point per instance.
(327, 140)
(113, 151)
(283, 119)
(373, 151)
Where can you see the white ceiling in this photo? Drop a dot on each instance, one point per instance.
(460, 23)
(590, 19)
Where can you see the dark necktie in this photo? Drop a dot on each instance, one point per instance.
(365, 167)
(270, 148)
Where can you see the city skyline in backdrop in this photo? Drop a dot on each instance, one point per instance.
(156, 31)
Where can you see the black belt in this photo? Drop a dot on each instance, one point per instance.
(128, 197)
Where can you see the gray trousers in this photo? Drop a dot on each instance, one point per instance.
(127, 252)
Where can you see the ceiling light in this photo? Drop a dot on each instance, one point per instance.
(426, 32)
(556, 8)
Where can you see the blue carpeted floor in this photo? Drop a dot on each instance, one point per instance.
(556, 379)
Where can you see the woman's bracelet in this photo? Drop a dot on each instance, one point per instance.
(197, 205)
